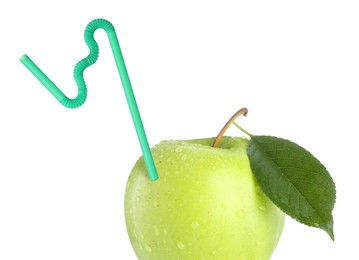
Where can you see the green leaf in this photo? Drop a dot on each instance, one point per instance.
(294, 180)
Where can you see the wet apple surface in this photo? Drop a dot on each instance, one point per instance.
(206, 204)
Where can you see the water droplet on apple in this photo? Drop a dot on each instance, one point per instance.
(148, 248)
(157, 231)
(183, 157)
(180, 245)
(178, 150)
(259, 189)
(134, 233)
(195, 224)
(238, 176)
(223, 221)
(141, 236)
(262, 208)
(155, 204)
(240, 213)
(214, 252)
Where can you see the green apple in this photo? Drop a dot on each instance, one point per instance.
(206, 204)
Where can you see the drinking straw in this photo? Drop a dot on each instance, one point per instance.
(81, 85)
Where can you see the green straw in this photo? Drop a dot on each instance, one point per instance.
(82, 90)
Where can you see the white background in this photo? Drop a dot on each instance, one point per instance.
(294, 64)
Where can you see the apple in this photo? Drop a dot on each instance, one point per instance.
(206, 204)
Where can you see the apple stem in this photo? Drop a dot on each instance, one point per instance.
(243, 111)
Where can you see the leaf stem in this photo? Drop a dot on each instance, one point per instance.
(242, 129)
(243, 111)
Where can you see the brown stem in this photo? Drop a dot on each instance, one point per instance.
(243, 111)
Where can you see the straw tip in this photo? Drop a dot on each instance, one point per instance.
(154, 177)
(23, 57)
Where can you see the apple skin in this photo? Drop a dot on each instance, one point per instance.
(206, 204)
